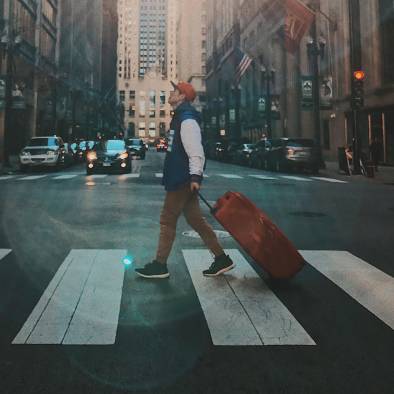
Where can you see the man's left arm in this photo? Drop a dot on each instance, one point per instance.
(191, 140)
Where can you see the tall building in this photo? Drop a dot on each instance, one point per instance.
(146, 64)
(28, 62)
(191, 46)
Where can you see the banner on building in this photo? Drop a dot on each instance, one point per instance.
(275, 106)
(261, 106)
(231, 114)
(307, 93)
(18, 99)
(298, 21)
(326, 93)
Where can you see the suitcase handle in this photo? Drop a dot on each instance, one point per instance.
(212, 210)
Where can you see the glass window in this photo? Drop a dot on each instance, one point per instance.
(142, 108)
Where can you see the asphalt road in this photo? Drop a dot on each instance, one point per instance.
(166, 341)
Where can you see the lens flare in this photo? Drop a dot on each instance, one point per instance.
(128, 260)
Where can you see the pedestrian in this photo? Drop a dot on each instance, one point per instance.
(375, 150)
(182, 177)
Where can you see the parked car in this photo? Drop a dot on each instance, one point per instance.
(230, 152)
(136, 147)
(109, 155)
(44, 152)
(258, 155)
(242, 153)
(287, 154)
(162, 145)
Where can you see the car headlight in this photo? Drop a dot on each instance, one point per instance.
(52, 153)
(123, 156)
(92, 156)
(24, 153)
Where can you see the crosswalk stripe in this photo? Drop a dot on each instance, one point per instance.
(230, 176)
(296, 178)
(239, 308)
(263, 177)
(159, 175)
(32, 177)
(96, 176)
(332, 180)
(128, 176)
(80, 305)
(4, 177)
(64, 177)
(369, 286)
(4, 252)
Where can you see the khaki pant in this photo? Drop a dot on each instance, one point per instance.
(183, 200)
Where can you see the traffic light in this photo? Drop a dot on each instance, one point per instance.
(358, 89)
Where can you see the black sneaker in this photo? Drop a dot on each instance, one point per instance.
(153, 270)
(221, 265)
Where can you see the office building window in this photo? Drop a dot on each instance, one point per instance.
(386, 10)
(142, 108)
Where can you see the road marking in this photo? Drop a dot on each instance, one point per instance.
(32, 177)
(296, 178)
(239, 307)
(128, 176)
(332, 180)
(4, 252)
(97, 176)
(65, 176)
(230, 176)
(369, 286)
(264, 177)
(159, 175)
(4, 177)
(81, 304)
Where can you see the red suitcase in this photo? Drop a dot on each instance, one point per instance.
(258, 236)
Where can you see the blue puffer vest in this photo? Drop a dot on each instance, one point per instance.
(176, 164)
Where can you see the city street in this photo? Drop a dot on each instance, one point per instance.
(76, 319)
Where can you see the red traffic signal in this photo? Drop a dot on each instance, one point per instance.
(359, 75)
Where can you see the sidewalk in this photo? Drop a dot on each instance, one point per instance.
(384, 175)
(12, 169)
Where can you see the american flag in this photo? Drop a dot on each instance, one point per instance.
(242, 67)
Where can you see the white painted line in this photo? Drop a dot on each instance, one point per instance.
(159, 175)
(95, 320)
(296, 178)
(65, 177)
(369, 286)
(32, 177)
(230, 176)
(97, 176)
(128, 176)
(332, 180)
(4, 252)
(4, 177)
(238, 306)
(76, 285)
(264, 177)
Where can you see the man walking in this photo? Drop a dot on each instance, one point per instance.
(182, 177)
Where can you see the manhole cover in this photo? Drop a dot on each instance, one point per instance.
(219, 234)
(308, 214)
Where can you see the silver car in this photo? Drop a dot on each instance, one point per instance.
(44, 152)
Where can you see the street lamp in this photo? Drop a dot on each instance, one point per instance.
(268, 78)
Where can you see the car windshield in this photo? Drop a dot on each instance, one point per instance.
(134, 142)
(43, 142)
(110, 145)
(301, 143)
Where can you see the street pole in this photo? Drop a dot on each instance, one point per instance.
(315, 52)
(355, 60)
